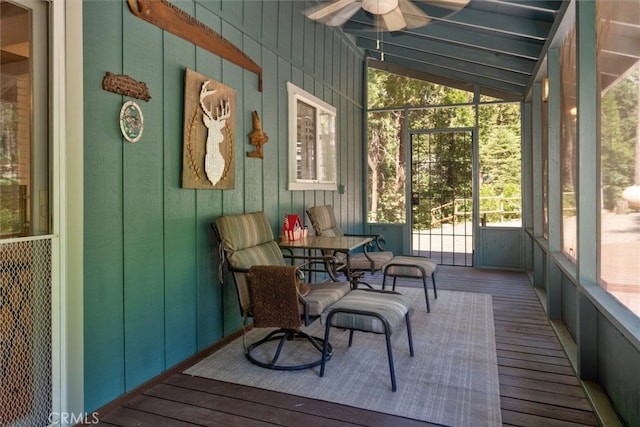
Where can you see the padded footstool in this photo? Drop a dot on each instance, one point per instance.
(367, 310)
(412, 267)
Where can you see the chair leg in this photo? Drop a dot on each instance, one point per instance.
(426, 294)
(390, 354)
(282, 336)
(325, 346)
(433, 279)
(409, 336)
(279, 349)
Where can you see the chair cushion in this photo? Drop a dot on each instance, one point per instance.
(265, 254)
(322, 295)
(323, 220)
(359, 261)
(244, 230)
(391, 306)
(408, 266)
(248, 240)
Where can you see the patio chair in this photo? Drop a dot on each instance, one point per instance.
(324, 223)
(269, 290)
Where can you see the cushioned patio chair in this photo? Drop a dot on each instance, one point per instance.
(324, 223)
(269, 290)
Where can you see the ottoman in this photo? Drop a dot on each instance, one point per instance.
(413, 267)
(368, 310)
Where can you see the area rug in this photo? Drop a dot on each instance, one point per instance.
(452, 379)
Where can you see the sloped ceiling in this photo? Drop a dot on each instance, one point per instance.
(496, 44)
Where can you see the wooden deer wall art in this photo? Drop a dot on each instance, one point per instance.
(208, 159)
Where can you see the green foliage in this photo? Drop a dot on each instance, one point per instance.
(619, 113)
(441, 167)
(9, 222)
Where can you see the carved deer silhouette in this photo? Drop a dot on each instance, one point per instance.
(214, 163)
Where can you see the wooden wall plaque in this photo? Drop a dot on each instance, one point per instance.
(125, 85)
(208, 156)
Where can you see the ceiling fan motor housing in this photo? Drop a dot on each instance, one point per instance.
(379, 7)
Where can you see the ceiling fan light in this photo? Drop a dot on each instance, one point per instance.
(379, 7)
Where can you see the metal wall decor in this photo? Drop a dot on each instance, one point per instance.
(131, 121)
(208, 159)
(125, 85)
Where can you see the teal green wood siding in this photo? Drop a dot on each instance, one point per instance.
(152, 291)
(103, 211)
(143, 213)
(179, 213)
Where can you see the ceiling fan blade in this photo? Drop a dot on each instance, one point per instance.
(341, 16)
(325, 10)
(449, 4)
(413, 15)
(393, 21)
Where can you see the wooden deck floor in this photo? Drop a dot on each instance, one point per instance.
(537, 384)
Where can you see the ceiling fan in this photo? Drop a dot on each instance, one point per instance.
(389, 15)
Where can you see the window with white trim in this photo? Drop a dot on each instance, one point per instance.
(312, 142)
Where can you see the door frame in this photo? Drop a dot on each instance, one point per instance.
(474, 182)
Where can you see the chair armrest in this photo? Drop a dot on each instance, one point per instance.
(378, 239)
(317, 264)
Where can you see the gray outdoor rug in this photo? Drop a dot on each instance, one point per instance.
(452, 380)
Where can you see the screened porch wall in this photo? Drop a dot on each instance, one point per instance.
(152, 296)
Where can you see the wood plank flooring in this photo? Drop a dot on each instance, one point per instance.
(537, 384)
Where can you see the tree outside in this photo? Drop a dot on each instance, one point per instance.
(398, 101)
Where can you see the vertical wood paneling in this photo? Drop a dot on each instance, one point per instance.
(344, 70)
(335, 59)
(208, 206)
(270, 112)
(269, 37)
(253, 167)
(253, 20)
(308, 53)
(103, 258)
(143, 211)
(346, 209)
(152, 292)
(319, 51)
(285, 21)
(332, 197)
(327, 58)
(179, 211)
(297, 34)
(285, 74)
(233, 199)
(232, 12)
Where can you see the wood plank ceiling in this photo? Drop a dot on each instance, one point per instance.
(496, 44)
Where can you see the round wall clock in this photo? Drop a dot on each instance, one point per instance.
(131, 121)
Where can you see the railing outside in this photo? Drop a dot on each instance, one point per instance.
(492, 209)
